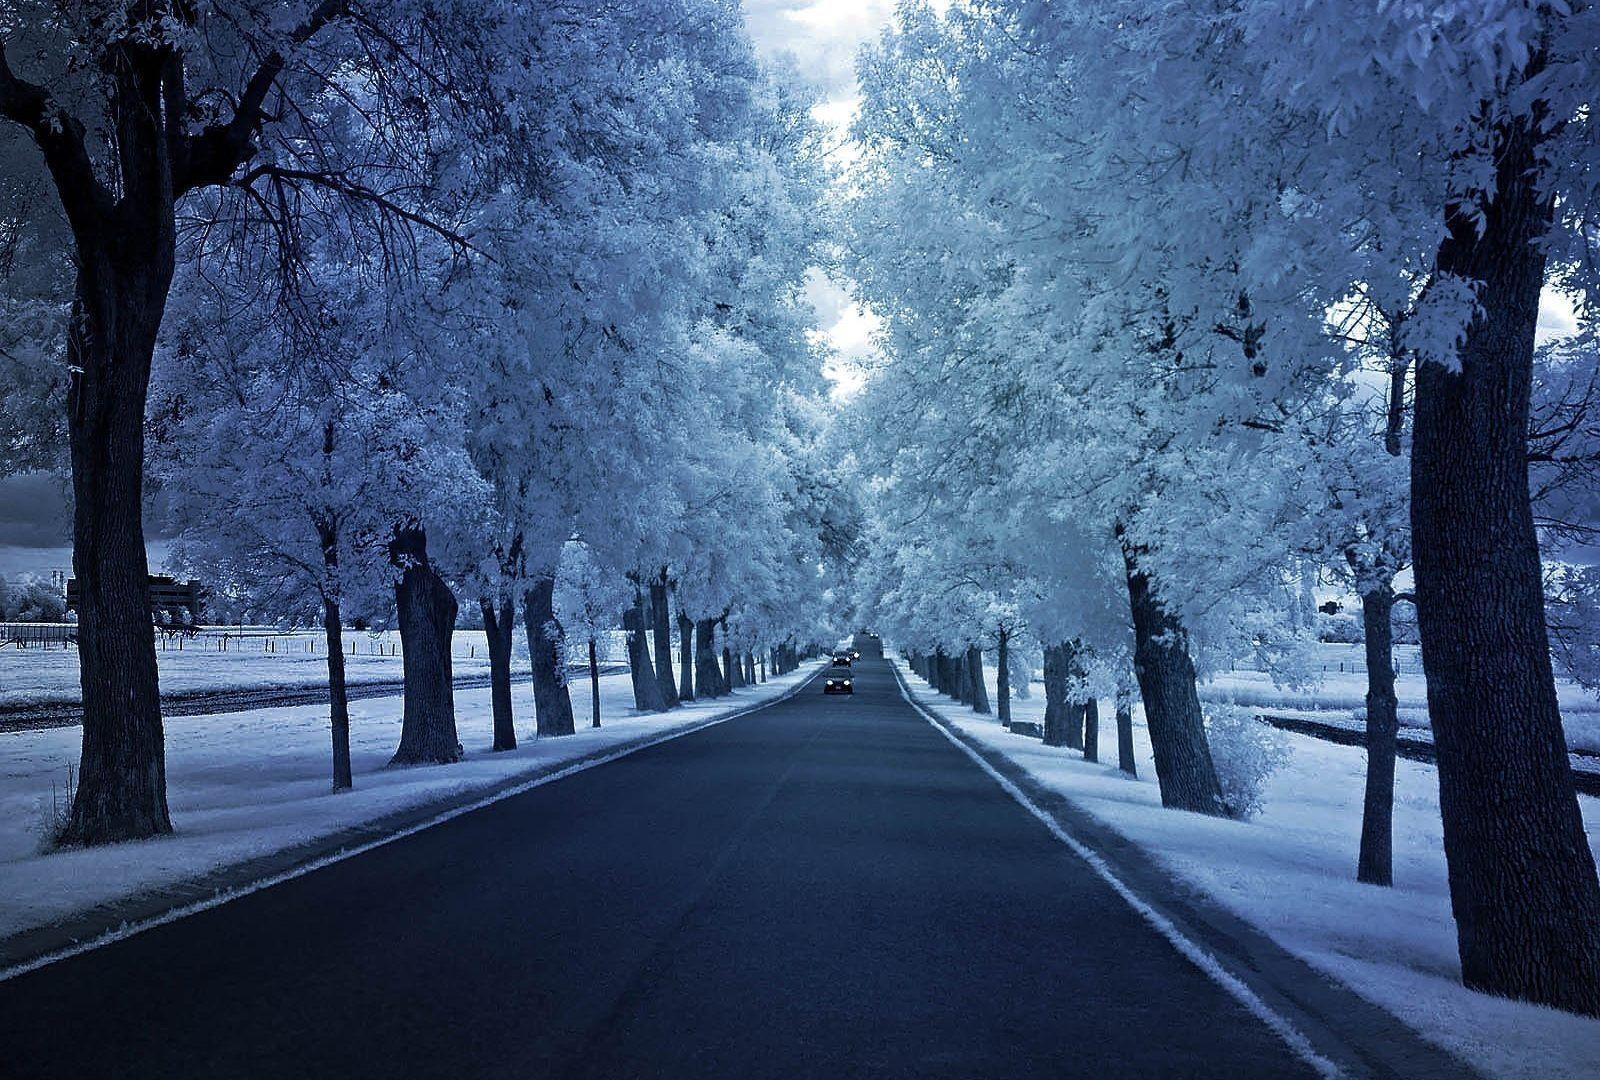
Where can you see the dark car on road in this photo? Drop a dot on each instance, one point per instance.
(838, 680)
(842, 660)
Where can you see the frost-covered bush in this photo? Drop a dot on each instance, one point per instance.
(1342, 628)
(1246, 752)
(32, 599)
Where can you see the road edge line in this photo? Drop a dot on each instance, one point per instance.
(1189, 949)
(225, 896)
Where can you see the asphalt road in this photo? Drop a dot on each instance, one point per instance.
(824, 888)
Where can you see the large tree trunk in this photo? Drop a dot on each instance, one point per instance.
(1375, 863)
(498, 624)
(552, 701)
(1002, 679)
(1522, 876)
(1063, 717)
(333, 632)
(661, 620)
(1125, 759)
(708, 680)
(975, 683)
(594, 684)
(646, 689)
(427, 616)
(1091, 730)
(1184, 769)
(121, 293)
(685, 657)
(749, 669)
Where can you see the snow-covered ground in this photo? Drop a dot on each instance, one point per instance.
(243, 785)
(255, 658)
(1342, 688)
(1291, 872)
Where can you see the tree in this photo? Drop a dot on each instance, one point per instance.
(122, 170)
(589, 602)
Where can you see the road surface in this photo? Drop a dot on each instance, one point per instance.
(824, 888)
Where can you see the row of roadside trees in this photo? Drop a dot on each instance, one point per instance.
(1188, 307)
(408, 307)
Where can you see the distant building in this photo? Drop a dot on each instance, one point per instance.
(166, 594)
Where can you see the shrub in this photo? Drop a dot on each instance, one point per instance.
(1343, 628)
(33, 599)
(1246, 752)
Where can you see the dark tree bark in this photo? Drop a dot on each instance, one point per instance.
(1374, 865)
(1184, 769)
(427, 616)
(498, 625)
(333, 632)
(552, 701)
(338, 699)
(1055, 695)
(730, 671)
(1002, 682)
(594, 684)
(1522, 876)
(1091, 730)
(1125, 759)
(661, 619)
(685, 657)
(646, 688)
(749, 669)
(707, 678)
(975, 684)
(1063, 717)
(123, 279)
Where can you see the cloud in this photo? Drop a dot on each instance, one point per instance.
(1558, 316)
(849, 332)
(823, 35)
(34, 511)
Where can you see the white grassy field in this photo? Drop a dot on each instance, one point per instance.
(251, 658)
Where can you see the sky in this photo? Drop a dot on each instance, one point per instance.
(824, 36)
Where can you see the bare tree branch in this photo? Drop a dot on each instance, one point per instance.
(60, 136)
(213, 155)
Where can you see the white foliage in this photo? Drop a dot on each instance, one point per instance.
(1246, 753)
